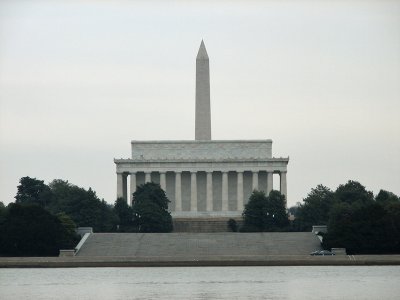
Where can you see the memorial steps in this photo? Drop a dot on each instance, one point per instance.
(198, 245)
(203, 224)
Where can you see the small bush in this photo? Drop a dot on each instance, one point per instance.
(232, 224)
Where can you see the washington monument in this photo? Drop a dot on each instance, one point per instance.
(203, 178)
(203, 114)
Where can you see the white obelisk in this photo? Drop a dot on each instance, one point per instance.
(203, 112)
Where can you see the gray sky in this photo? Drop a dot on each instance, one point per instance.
(80, 79)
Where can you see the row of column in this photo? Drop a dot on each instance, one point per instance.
(122, 187)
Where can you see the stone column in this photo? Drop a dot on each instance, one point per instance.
(163, 181)
(178, 191)
(133, 186)
(125, 186)
(270, 182)
(255, 181)
(284, 185)
(120, 185)
(193, 189)
(225, 205)
(240, 191)
(147, 177)
(209, 187)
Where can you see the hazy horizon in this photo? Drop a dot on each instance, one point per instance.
(80, 79)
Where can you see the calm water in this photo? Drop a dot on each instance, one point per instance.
(381, 282)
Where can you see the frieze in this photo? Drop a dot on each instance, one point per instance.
(202, 150)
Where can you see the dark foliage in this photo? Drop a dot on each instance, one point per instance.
(353, 192)
(315, 209)
(385, 197)
(2, 210)
(264, 213)
(67, 223)
(366, 229)
(356, 221)
(150, 209)
(33, 191)
(232, 224)
(83, 206)
(30, 230)
(125, 216)
(123, 211)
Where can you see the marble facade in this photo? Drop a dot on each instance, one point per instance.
(211, 178)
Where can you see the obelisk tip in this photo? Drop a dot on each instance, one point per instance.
(202, 54)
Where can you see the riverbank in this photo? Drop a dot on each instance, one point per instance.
(148, 261)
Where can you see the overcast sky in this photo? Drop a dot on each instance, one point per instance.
(80, 79)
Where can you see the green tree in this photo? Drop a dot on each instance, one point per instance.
(125, 215)
(385, 197)
(362, 229)
(33, 191)
(254, 214)
(362, 225)
(353, 192)
(108, 220)
(67, 222)
(83, 206)
(30, 230)
(264, 213)
(393, 224)
(3, 211)
(232, 225)
(315, 208)
(123, 211)
(150, 209)
(70, 227)
(276, 206)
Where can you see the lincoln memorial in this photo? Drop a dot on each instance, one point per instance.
(202, 177)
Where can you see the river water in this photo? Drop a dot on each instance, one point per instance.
(331, 282)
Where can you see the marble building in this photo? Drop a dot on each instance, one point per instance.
(202, 177)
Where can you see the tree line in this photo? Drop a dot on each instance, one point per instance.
(43, 218)
(356, 219)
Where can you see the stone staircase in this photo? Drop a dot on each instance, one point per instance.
(198, 245)
(203, 224)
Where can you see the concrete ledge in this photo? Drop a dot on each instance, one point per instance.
(276, 260)
(67, 253)
(339, 251)
(83, 230)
